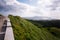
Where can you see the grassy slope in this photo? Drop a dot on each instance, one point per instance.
(54, 30)
(24, 30)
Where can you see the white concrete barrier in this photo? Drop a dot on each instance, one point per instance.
(8, 22)
(9, 34)
(9, 31)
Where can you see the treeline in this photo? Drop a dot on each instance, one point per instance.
(47, 23)
(53, 26)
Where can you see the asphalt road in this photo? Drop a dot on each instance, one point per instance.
(2, 34)
(1, 23)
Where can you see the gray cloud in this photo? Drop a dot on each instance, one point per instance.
(44, 8)
(55, 4)
(17, 8)
(6, 8)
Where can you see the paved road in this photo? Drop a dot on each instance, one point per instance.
(2, 36)
(1, 22)
(2, 33)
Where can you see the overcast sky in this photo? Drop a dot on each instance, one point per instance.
(31, 8)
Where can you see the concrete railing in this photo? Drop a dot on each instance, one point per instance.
(9, 31)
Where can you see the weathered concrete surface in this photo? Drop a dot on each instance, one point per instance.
(9, 31)
(2, 33)
(9, 34)
(8, 24)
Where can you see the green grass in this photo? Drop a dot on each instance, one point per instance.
(25, 30)
(42, 24)
(55, 31)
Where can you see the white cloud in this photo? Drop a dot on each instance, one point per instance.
(18, 8)
(50, 8)
(10, 2)
(55, 9)
(42, 9)
(42, 5)
(13, 7)
(30, 0)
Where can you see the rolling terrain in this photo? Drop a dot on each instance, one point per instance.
(53, 26)
(26, 30)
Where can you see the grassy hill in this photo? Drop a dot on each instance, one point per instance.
(53, 26)
(25, 30)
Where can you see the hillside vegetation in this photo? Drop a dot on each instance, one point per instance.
(25, 30)
(53, 26)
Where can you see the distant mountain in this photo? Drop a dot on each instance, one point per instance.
(38, 18)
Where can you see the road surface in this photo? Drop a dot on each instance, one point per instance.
(1, 22)
(2, 34)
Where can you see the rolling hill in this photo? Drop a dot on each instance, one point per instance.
(25, 30)
(53, 26)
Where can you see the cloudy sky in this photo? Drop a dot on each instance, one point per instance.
(31, 8)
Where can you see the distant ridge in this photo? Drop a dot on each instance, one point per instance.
(39, 18)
